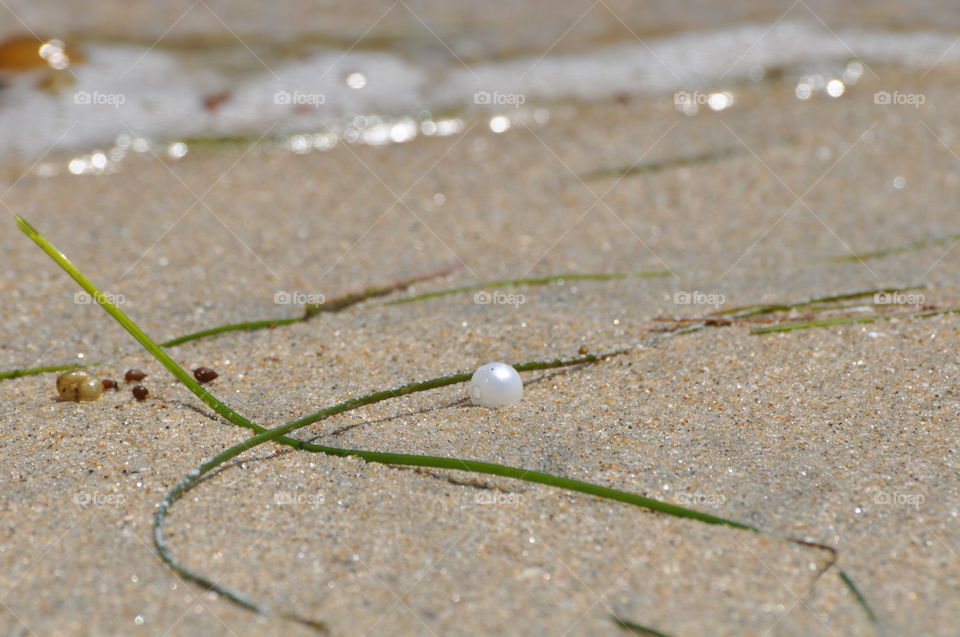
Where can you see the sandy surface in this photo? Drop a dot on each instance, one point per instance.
(845, 435)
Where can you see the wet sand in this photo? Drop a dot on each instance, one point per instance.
(845, 435)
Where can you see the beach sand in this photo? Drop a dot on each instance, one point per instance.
(844, 436)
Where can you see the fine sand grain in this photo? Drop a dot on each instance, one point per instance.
(846, 436)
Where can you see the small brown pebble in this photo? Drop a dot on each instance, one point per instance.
(134, 375)
(583, 349)
(212, 102)
(204, 374)
(109, 383)
(140, 392)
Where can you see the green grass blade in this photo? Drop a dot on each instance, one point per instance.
(32, 371)
(886, 252)
(373, 291)
(180, 340)
(635, 628)
(861, 600)
(850, 320)
(233, 327)
(769, 308)
(659, 165)
(131, 327)
(543, 280)
(346, 300)
(278, 434)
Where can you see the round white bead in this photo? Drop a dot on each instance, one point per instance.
(496, 385)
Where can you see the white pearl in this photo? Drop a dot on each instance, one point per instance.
(496, 385)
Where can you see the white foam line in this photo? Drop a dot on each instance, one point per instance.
(164, 97)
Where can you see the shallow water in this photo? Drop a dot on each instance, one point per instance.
(313, 92)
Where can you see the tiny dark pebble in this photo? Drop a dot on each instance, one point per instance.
(204, 374)
(213, 102)
(109, 383)
(134, 375)
(140, 392)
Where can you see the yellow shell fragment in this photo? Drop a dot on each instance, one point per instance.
(78, 385)
(29, 52)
